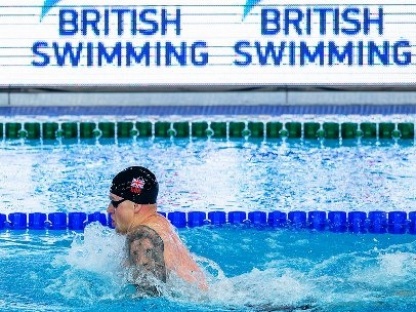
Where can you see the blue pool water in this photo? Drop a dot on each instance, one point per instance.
(215, 174)
(249, 268)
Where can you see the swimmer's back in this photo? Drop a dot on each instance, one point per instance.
(177, 257)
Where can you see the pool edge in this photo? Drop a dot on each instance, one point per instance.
(208, 103)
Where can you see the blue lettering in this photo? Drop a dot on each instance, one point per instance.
(67, 51)
(270, 21)
(171, 50)
(106, 22)
(270, 50)
(144, 53)
(374, 50)
(368, 21)
(360, 53)
(158, 54)
(247, 56)
(308, 21)
(90, 17)
(133, 28)
(175, 21)
(336, 22)
(295, 20)
(292, 53)
(305, 53)
(322, 19)
(334, 53)
(120, 19)
(68, 22)
(407, 55)
(146, 20)
(37, 46)
(90, 54)
(109, 58)
(348, 17)
(203, 55)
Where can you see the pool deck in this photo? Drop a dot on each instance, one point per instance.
(257, 101)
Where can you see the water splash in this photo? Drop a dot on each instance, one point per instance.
(91, 267)
(94, 264)
(267, 288)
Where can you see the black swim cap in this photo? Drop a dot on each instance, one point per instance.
(137, 184)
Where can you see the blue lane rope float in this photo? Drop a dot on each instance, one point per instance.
(394, 222)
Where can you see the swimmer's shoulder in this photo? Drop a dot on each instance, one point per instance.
(161, 225)
(142, 231)
(160, 221)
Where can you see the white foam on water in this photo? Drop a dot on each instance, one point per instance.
(91, 266)
(257, 289)
(98, 249)
(388, 270)
(93, 270)
(365, 277)
(397, 264)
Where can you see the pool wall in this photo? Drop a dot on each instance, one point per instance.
(288, 101)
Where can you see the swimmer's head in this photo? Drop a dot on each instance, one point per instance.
(137, 184)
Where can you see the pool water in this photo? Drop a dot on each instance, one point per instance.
(212, 175)
(249, 268)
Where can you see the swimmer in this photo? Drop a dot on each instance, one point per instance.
(154, 250)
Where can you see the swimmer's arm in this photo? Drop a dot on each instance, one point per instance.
(194, 275)
(178, 259)
(186, 268)
(146, 251)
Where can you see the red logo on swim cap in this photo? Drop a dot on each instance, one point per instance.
(136, 186)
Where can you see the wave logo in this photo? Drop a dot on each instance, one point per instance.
(49, 4)
(250, 4)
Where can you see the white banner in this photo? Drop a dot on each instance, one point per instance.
(211, 42)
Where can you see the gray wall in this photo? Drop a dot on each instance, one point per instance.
(13, 99)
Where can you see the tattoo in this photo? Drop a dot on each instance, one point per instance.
(145, 252)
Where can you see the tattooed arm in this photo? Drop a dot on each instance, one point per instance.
(145, 253)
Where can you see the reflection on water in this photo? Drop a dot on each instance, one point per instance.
(226, 175)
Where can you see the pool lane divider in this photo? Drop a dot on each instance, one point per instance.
(395, 222)
(51, 130)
